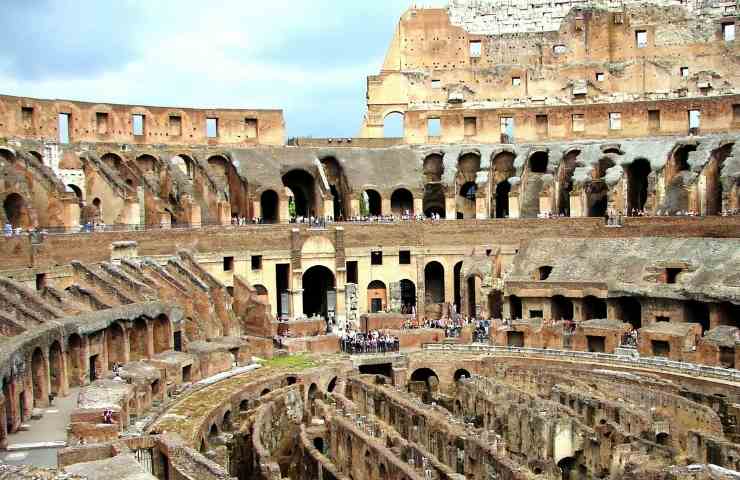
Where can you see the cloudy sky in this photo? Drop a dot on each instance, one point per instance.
(308, 57)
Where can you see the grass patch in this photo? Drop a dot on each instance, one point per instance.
(294, 362)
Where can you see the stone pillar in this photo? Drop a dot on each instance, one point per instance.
(3, 423)
(296, 303)
(578, 309)
(545, 204)
(418, 206)
(481, 212)
(354, 207)
(450, 208)
(328, 207)
(385, 206)
(513, 205)
(283, 212)
(576, 204)
(149, 339)
(449, 280)
(256, 208)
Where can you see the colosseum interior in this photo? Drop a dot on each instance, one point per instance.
(550, 253)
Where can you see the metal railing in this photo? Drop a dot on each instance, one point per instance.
(611, 358)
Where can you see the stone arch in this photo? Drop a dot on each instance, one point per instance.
(261, 291)
(338, 186)
(113, 160)
(236, 186)
(393, 124)
(377, 296)
(433, 202)
(162, 333)
(468, 165)
(408, 295)
(317, 282)
(138, 340)
(226, 422)
(715, 191)
(433, 168)
(466, 200)
(184, 164)
(40, 378)
(147, 163)
(75, 364)
(402, 201)
(372, 201)
(302, 185)
(16, 211)
(461, 373)
(434, 281)
(565, 181)
(426, 375)
(57, 375)
(538, 161)
(638, 173)
(7, 155)
(331, 385)
(269, 206)
(115, 342)
(593, 308)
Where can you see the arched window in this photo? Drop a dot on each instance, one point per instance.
(393, 125)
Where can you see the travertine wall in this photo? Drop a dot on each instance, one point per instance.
(101, 122)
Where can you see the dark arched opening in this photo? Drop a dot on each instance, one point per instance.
(461, 373)
(565, 181)
(138, 340)
(226, 424)
(112, 160)
(698, 312)
(456, 285)
(318, 281)
(538, 162)
(567, 466)
(515, 307)
(15, 211)
(594, 308)
(56, 368)
(269, 206)
(402, 202)
(637, 186)
(332, 385)
(434, 200)
(433, 168)
(466, 200)
(115, 344)
(434, 279)
(74, 360)
(427, 376)
(301, 183)
(562, 308)
(712, 172)
(40, 378)
(162, 332)
(408, 295)
(631, 311)
(502, 199)
(146, 163)
(372, 201)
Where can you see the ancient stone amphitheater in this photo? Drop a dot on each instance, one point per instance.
(553, 246)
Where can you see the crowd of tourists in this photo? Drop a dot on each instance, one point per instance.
(374, 341)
